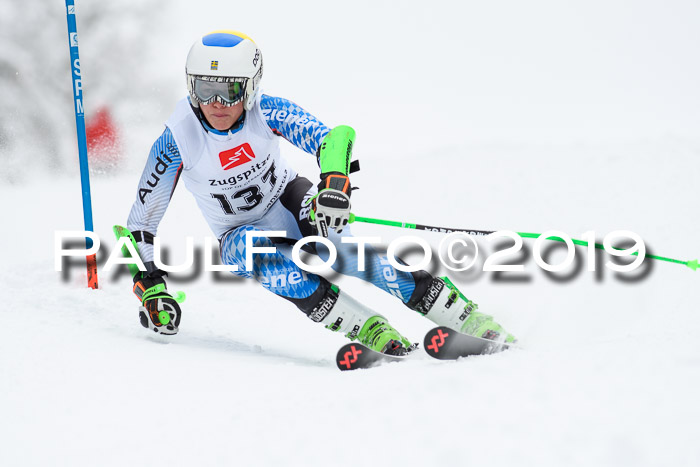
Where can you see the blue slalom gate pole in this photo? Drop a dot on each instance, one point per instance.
(82, 139)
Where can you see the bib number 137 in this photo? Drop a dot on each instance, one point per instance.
(250, 195)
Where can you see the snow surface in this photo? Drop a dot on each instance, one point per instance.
(501, 115)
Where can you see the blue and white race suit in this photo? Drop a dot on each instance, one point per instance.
(241, 183)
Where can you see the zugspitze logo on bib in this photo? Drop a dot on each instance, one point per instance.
(236, 156)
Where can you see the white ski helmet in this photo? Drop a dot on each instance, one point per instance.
(224, 66)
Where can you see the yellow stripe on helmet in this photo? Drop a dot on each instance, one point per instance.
(235, 33)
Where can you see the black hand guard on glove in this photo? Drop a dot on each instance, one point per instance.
(159, 311)
(331, 207)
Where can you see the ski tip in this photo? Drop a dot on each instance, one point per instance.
(355, 356)
(435, 341)
(447, 344)
(348, 357)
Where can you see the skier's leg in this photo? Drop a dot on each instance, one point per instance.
(378, 271)
(437, 298)
(320, 300)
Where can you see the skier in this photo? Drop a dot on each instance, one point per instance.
(223, 140)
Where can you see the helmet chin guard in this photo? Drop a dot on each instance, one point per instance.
(217, 62)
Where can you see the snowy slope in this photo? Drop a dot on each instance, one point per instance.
(546, 117)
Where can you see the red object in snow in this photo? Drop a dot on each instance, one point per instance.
(103, 139)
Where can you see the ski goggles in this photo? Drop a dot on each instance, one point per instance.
(226, 93)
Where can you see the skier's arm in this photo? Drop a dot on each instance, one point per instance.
(333, 150)
(296, 125)
(155, 189)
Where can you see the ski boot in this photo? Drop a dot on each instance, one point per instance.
(339, 312)
(445, 305)
(378, 335)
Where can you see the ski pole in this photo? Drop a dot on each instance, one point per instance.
(693, 264)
